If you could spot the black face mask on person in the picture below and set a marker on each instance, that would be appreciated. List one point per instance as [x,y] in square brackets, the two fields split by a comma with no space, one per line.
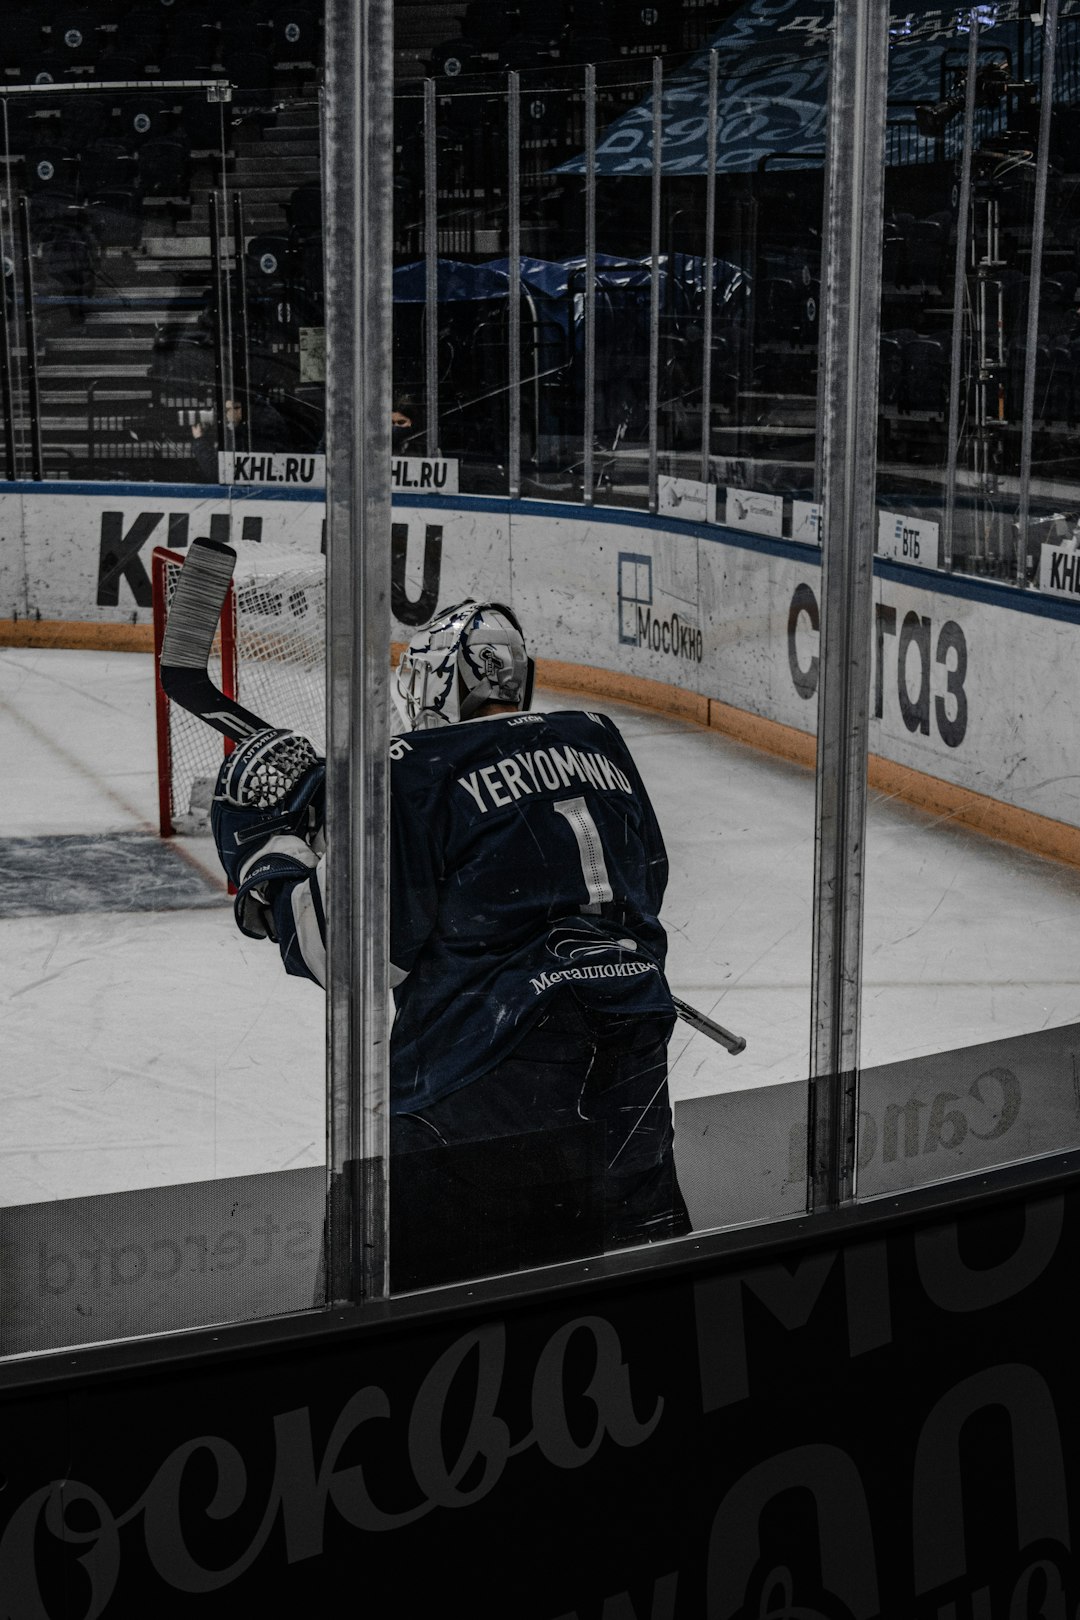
[399,439]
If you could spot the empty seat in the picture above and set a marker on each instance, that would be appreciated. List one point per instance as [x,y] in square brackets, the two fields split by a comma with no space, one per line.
[50,167]
[182,358]
[74,35]
[143,118]
[185,65]
[1059,291]
[1054,370]
[891,369]
[545,16]
[267,258]
[69,258]
[191,33]
[48,67]
[119,68]
[639,29]
[309,277]
[296,35]
[22,40]
[104,165]
[116,216]
[452,58]
[488,23]
[926,243]
[581,44]
[779,308]
[107,13]
[926,373]
[532,48]
[304,408]
[207,124]
[893,256]
[543,116]
[49,208]
[251,74]
[165,167]
[83,118]
[247,28]
[141,34]
[304,208]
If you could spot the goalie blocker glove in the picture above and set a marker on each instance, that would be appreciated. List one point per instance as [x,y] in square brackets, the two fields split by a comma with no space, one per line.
[267,818]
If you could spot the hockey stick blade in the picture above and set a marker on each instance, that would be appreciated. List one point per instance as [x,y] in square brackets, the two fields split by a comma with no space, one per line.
[706,1026]
[189,636]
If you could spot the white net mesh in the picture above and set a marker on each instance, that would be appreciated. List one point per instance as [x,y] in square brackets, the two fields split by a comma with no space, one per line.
[281,648]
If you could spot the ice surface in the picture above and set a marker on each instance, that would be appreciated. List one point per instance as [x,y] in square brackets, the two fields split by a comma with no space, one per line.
[143,1047]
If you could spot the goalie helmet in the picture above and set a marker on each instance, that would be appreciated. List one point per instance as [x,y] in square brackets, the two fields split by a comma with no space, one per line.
[470,654]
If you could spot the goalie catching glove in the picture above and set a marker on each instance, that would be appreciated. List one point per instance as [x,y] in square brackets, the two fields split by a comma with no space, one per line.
[268,820]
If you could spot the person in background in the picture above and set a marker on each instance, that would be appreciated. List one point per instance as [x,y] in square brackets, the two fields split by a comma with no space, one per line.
[269,434]
[405,435]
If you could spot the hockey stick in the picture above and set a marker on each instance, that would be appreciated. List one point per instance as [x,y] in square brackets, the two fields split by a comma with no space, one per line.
[706,1026]
[189,635]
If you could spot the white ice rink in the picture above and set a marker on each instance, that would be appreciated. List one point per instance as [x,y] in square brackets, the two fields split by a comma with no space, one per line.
[154,1044]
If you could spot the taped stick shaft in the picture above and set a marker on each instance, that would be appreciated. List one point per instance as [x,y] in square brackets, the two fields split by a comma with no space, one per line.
[707,1026]
[196,605]
[189,638]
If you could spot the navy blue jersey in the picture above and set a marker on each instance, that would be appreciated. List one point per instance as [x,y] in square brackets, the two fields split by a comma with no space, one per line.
[525,859]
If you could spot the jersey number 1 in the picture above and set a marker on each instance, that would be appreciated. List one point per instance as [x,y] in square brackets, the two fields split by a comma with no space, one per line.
[590,849]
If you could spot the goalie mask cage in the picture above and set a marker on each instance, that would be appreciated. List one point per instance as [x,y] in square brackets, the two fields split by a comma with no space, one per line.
[269,654]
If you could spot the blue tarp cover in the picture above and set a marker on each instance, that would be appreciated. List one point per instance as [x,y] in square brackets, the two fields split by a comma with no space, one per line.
[773,83]
[549,280]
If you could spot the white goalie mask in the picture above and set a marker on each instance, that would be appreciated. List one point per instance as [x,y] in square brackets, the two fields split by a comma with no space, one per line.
[470,654]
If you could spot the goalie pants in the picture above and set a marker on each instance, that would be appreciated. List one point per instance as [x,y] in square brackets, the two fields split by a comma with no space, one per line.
[563,1149]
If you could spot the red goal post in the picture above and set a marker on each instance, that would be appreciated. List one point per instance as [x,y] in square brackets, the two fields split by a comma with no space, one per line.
[269,653]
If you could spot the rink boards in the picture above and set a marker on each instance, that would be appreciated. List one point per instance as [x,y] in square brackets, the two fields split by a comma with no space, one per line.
[971,693]
[114,1265]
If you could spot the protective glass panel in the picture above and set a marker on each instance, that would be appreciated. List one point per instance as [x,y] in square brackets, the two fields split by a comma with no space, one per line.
[163,1154]
[972,892]
[534,1070]
[451,305]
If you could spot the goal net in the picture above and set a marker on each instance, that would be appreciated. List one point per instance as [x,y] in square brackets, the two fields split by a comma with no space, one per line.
[269,654]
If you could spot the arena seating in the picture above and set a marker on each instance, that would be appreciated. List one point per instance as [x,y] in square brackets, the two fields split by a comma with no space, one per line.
[73,34]
[251,74]
[925,378]
[106,163]
[140,34]
[304,209]
[192,34]
[453,57]
[134,172]
[267,259]
[165,166]
[297,36]
[50,166]
[117,216]
[891,369]
[529,49]
[139,119]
